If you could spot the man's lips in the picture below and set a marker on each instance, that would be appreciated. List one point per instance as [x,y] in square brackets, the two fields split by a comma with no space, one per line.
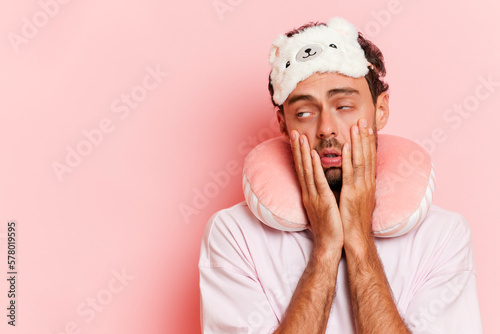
[331,158]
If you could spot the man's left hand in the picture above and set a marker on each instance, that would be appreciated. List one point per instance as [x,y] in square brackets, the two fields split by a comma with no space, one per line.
[357,197]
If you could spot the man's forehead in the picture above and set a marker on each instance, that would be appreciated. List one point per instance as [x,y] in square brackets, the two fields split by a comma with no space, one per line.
[327,85]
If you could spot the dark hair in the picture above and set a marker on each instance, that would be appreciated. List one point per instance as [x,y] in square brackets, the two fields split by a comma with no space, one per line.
[375,75]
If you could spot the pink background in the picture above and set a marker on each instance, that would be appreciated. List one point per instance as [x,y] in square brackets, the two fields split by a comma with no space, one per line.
[119,209]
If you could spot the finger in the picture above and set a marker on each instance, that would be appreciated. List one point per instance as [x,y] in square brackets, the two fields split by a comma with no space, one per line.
[373,150]
[307,165]
[297,157]
[365,143]
[357,154]
[319,175]
[347,170]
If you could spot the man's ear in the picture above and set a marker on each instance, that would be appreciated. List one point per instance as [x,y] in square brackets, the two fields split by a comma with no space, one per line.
[282,123]
[382,110]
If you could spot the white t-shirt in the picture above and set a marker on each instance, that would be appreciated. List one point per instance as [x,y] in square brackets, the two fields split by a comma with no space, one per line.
[249,271]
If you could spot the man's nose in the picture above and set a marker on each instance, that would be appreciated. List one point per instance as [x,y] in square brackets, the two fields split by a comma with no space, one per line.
[328,125]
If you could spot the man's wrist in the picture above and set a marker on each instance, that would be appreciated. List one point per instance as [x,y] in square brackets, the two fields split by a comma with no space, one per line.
[359,243]
[330,253]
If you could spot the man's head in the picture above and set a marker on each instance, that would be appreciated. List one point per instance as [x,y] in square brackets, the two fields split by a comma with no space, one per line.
[331,86]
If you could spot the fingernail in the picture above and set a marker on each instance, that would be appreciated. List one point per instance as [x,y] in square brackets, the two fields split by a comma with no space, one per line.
[363,123]
[301,139]
[370,131]
[356,129]
[347,147]
[293,135]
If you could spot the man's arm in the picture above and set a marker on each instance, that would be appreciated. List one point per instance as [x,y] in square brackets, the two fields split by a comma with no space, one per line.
[309,309]
[371,296]
[310,306]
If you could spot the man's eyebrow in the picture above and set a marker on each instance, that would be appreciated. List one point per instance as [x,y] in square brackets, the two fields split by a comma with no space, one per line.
[303,97]
[346,91]
[331,93]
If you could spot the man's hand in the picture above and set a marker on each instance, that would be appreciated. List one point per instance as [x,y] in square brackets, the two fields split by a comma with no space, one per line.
[309,309]
[357,198]
[373,308]
[353,215]
[319,201]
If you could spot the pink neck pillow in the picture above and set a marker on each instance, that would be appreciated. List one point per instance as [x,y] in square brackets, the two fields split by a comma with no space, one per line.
[405,186]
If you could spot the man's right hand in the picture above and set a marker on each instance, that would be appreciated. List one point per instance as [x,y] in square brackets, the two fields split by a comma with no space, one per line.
[319,201]
[310,306]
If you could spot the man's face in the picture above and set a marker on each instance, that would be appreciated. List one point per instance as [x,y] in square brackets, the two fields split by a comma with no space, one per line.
[324,107]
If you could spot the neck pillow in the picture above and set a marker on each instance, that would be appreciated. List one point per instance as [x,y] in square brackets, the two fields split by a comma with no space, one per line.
[405,185]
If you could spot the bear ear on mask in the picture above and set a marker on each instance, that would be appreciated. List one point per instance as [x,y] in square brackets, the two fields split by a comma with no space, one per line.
[405,185]
[278,42]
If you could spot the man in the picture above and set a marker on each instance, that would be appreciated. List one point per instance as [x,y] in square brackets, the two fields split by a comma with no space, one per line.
[335,277]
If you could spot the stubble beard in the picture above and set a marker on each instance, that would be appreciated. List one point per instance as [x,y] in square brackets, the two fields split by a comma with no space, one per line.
[334,174]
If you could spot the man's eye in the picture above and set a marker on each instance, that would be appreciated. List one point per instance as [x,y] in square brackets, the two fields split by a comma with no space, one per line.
[345,107]
[303,114]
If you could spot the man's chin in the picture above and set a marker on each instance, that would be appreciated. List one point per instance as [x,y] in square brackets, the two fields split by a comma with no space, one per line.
[334,178]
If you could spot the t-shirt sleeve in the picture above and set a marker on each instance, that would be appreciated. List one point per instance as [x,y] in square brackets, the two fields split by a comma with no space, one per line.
[232,298]
[446,300]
